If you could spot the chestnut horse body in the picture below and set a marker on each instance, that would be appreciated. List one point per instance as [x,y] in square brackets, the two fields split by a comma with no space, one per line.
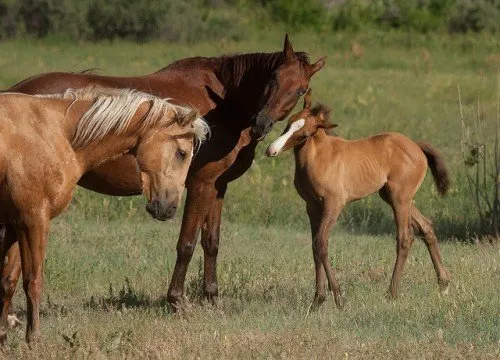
[240,96]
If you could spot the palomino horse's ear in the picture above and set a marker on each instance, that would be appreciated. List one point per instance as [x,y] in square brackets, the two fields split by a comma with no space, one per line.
[307,99]
[189,118]
[317,66]
[288,50]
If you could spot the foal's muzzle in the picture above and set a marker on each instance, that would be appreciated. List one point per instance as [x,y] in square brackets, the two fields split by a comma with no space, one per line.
[160,210]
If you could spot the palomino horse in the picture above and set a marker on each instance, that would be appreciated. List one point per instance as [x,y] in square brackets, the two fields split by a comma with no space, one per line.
[47,144]
[240,96]
[331,172]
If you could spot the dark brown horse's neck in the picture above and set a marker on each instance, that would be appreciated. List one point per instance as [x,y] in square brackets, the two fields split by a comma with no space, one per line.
[244,79]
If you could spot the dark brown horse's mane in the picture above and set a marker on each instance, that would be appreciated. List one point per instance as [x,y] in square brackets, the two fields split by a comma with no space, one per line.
[234,67]
[320,108]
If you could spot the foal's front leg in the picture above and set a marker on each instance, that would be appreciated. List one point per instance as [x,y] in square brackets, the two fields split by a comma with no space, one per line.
[314,212]
[32,240]
[329,217]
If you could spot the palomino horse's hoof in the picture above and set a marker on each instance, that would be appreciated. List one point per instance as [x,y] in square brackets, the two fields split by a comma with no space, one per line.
[13,321]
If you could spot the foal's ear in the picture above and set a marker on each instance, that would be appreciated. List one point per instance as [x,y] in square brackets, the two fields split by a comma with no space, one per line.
[288,50]
[317,66]
[326,125]
[307,99]
[189,118]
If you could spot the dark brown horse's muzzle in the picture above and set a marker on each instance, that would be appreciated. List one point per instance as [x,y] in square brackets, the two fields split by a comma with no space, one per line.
[161,210]
[263,125]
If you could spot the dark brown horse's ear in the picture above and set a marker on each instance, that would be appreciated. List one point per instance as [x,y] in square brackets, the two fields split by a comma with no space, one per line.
[288,50]
[307,99]
[189,118]
[317,66]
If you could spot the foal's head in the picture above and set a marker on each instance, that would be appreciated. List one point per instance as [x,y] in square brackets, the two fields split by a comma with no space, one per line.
[287,83]
[164,156]
[302,126]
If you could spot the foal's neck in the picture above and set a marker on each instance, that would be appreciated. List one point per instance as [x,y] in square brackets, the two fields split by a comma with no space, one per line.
[305,154]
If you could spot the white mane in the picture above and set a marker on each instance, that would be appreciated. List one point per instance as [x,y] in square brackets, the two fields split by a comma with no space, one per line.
[113,109]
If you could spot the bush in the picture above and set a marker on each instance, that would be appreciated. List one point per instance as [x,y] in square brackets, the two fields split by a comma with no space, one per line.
[475,15]
[9,10]
[298,14]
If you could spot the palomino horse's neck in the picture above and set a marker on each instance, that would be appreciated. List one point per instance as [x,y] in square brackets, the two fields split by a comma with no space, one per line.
[113,145]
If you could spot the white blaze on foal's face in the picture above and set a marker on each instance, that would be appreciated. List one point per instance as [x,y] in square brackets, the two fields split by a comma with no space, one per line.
[277,146]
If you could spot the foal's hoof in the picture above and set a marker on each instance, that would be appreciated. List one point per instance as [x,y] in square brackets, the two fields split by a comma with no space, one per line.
[444,286]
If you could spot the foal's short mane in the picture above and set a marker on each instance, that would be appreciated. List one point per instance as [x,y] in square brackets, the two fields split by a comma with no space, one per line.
[320,108]
[233,67]
[113,109]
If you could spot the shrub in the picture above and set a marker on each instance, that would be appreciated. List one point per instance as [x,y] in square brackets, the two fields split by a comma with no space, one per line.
[475,15]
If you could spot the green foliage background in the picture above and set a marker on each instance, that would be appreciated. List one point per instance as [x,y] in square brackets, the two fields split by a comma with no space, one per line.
[200,20]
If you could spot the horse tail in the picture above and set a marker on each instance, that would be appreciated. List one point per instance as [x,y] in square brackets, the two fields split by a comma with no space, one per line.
[438,168]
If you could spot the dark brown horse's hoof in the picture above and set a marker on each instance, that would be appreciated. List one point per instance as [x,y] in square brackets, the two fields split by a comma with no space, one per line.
[3,337]
[339,301]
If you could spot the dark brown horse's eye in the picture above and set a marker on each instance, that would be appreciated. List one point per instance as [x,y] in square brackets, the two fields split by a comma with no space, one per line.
[301,92]
[181,154]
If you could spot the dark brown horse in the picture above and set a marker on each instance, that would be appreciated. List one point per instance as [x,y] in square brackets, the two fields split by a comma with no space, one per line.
[240,96]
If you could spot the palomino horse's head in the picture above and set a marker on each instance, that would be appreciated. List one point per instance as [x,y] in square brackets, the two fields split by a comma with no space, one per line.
[287,84]
[302,126]
[164,157]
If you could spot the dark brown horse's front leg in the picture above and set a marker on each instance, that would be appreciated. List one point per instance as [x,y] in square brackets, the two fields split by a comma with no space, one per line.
[210,233]
[200,198]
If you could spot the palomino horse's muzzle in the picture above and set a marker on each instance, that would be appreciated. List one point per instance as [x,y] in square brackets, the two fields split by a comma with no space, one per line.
[161,210]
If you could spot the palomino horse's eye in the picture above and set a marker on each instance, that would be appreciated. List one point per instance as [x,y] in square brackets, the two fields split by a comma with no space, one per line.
[301,92]
[181,154]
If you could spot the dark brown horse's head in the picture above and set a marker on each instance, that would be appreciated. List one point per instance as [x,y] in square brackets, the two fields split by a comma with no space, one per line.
[287,83]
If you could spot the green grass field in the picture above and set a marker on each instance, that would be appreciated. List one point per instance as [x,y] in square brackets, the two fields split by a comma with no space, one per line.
[108,265]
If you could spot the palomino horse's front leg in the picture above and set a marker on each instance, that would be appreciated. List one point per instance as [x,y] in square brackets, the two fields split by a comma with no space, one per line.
[331,211]
[199,200]
[210,233]
[32,241]
[11,269]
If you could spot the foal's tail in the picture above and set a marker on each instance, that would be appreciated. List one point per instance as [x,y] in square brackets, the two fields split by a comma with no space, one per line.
[438,167]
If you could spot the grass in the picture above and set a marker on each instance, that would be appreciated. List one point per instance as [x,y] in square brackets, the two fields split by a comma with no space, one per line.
[108,265]
[105,284]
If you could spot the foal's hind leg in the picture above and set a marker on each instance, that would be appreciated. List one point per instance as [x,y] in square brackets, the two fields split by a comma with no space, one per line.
[424,226]
[400,203]
[320,247]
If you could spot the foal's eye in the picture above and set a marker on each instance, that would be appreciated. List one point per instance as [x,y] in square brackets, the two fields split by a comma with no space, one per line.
[301,92]
[181,154]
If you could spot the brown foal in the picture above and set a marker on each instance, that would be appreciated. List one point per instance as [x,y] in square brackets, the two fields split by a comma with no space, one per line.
[331,172]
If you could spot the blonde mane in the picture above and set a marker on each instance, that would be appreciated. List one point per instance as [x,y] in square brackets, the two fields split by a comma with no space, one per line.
[113,109]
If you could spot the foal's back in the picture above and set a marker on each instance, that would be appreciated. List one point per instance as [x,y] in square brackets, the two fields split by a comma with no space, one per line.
[353,169]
